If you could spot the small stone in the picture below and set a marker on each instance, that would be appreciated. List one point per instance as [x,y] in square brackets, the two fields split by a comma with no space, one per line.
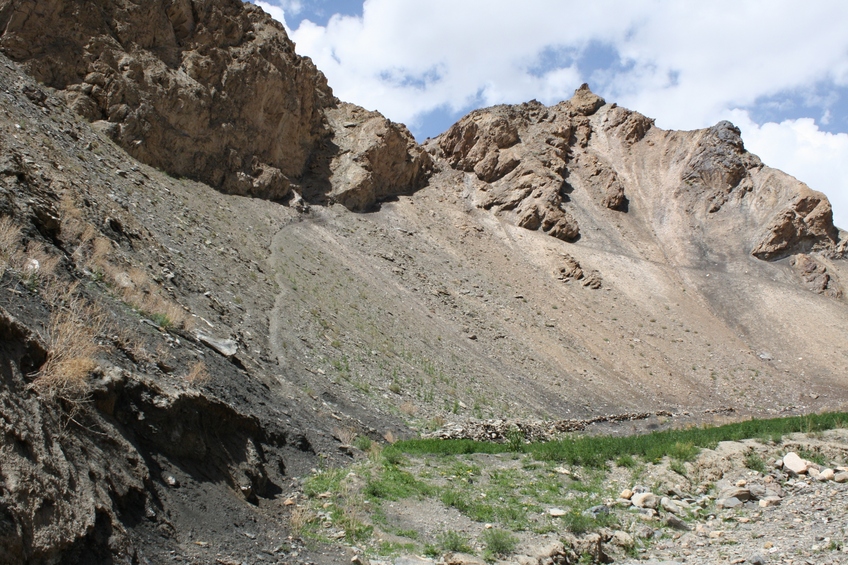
[716,534]
[840,477]
[742,494]
[556,512]
[741,483]
[622,539]
[670,505]
[826,475]
[596,511]
[756,559]
[731,502]
[626,494]
[769,501]
[676,523]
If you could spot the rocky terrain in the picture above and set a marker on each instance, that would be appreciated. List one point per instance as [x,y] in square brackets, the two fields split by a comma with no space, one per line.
[214,272]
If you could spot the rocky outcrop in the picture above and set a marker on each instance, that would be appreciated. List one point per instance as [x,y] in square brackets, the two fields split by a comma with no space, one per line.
[527,156]
[207,89]
[805,225]
[571,270]
[372,158]
[814,275]
[718,168]
[525,174]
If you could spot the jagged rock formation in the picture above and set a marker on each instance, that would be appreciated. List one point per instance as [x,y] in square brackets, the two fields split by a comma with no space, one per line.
[571,270]
[372,158]
[207,89]
[530,159]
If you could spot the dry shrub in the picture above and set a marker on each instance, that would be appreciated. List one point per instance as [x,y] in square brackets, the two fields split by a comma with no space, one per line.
[345,435]
[389,437]
[197,374]
[10,235]
[74,226]
[408,408]
[164,312]
[73,329]
[299,519]
[39,266]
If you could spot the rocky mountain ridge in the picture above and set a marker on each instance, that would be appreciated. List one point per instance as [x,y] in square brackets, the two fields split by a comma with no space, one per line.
[240,317]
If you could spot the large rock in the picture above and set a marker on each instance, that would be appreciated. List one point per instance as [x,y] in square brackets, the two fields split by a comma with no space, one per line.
[373,158]
[793,462]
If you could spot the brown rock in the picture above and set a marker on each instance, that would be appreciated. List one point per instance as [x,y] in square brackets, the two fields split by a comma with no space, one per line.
[814,275]
[373,158]
[806,224]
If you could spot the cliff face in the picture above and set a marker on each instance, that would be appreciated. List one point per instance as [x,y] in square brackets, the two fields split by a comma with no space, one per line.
[206,89]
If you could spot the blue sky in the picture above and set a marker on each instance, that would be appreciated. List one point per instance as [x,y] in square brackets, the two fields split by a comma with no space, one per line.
[777,69]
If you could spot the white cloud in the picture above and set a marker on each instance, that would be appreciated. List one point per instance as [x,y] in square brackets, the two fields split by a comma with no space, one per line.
[687,64]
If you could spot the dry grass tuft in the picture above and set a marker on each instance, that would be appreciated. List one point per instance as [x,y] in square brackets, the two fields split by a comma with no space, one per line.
[345,435]
[10,235]
[197,374]
[389,437]
[73,330]
[299,519]
[408,408]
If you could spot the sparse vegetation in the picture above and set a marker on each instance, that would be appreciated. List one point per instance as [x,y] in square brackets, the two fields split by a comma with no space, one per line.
[498,543]
[72,334]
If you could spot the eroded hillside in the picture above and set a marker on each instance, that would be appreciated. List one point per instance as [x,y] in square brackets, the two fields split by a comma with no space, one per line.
[196,311]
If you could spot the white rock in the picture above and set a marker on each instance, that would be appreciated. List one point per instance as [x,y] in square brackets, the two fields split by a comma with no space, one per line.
[556,512]
[826,475]
[645,500]
[793,462]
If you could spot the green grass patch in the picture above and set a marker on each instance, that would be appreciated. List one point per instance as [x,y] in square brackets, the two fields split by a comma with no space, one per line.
[392,483]
[596,451]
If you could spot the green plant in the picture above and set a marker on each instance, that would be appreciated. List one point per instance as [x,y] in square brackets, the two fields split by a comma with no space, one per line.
[515,439]
[453,541]
[498,543]
[677,466]
[755,462]
[362,443]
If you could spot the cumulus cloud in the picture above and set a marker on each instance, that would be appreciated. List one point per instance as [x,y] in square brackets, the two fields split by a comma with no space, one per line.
[686,64]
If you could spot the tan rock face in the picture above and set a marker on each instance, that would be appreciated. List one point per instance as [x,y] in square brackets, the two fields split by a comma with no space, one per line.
[523,154]
[806,224]
[371,158]
[815,276]
[207,89]
[584,168]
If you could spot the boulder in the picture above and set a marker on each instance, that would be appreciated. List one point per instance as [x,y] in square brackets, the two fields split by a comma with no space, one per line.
[792,462]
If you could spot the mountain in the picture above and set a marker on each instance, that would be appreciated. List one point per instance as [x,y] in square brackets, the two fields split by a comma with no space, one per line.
[215,273]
